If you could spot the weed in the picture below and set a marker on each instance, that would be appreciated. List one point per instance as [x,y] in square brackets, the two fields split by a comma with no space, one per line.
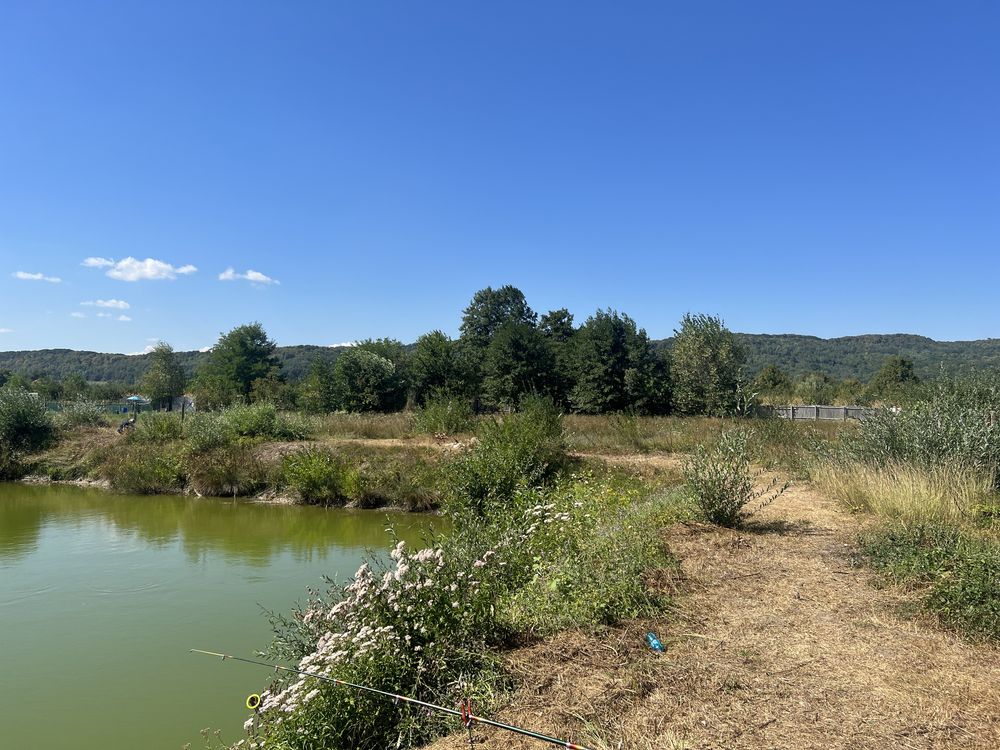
[721,483]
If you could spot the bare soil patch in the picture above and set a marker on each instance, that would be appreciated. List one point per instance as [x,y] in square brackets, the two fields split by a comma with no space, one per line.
[777,641]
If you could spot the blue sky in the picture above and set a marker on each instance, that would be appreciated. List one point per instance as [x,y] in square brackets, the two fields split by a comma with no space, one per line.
[820,168]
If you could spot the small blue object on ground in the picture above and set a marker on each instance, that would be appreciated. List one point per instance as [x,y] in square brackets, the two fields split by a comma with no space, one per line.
[654,642]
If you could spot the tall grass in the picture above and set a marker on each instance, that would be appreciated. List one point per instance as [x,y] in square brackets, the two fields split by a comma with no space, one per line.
[914,494]
[397,425]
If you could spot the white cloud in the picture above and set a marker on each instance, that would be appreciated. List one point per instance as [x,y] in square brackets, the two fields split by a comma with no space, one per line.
[205,349]
[124,319]
[103,315]
[117,304]
[6,330]
[97,262]
[254,277]
[147,350]
[77,315]
[133,269]
[345,343]
[25,276]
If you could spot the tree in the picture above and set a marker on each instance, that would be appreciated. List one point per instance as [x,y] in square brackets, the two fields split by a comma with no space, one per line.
[772,381]
[164,379]
[74,385]
[436,369]
[487,312]
[318,392]
[815,388]
[892,380]
[243,355]
[518,363]
[615,368]
[396,391]
[364,381]
[705,366]
[557,328]
[491,308]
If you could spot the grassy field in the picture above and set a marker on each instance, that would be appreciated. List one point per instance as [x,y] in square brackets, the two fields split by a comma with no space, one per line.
[565,524]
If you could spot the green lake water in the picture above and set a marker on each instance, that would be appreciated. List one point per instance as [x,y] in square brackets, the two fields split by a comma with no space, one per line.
[102,595]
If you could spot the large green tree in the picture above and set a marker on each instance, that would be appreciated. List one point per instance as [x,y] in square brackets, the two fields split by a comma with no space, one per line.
[164,378]
[395,395]
[364,381]
[437,369]
[705,363]
[487,312]
[518,363]
[557,328]
[616,369]
[240,357]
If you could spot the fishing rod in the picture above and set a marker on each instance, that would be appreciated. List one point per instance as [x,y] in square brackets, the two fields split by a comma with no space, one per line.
[465,713]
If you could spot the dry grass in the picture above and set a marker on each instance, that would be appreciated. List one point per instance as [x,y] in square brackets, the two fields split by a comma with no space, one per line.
[905,492]
[397,425]
[779,643]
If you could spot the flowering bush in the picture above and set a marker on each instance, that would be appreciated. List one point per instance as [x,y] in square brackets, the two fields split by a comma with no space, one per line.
[425,623]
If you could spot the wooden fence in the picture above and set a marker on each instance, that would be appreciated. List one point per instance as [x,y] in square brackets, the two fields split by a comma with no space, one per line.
[815,412]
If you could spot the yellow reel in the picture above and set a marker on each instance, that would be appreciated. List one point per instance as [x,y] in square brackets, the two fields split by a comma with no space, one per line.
[253,701]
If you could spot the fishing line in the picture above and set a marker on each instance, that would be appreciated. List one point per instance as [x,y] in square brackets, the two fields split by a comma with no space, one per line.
[465,714]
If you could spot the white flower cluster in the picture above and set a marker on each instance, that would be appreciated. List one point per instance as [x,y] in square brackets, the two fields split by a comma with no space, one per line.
[406,612]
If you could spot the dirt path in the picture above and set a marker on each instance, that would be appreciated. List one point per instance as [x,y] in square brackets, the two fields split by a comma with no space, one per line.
[777,643]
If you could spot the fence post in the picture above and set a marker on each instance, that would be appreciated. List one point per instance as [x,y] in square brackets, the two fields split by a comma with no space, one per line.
[816,412]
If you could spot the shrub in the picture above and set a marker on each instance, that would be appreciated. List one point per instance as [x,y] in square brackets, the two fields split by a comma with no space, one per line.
[958,571]
[25,424]
[721,483]
[317,476]
[450,416]
[81,413]
[957,425]
[261,420]
[206,431]
[592,568]
[143,469]
[519,450]
[157,427]
[228,471]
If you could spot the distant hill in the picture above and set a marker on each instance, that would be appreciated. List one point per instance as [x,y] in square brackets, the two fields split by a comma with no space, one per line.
[129,368]
[847,357]
[861,356]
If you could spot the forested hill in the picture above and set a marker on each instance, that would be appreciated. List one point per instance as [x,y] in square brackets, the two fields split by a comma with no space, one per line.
[847,357]
[129,368]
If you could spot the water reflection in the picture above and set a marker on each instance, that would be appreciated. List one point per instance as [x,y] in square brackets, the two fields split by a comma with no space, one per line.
[250,533]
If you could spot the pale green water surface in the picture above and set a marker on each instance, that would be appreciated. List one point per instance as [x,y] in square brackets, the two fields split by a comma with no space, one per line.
[102,595]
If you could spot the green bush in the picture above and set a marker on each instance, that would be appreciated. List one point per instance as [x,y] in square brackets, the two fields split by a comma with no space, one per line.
[395,626]
[25,424]
[591,567]
[959,571]
[448,416]
[81,413]
[206,431]
[317,476]
[721,483]
[957,425]
[226,472]
[144,469]
[524,449]
[262,420]
[157,427]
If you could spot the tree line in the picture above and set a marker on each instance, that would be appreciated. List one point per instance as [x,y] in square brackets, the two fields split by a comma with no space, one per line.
[505,352]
